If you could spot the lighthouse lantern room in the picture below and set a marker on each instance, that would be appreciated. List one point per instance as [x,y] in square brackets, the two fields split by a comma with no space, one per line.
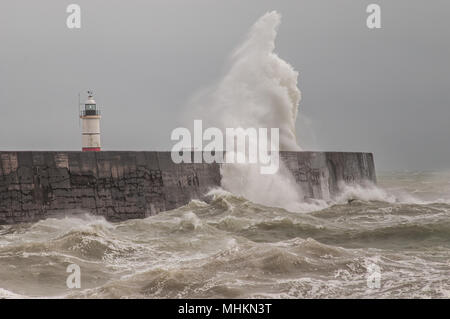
[90,116]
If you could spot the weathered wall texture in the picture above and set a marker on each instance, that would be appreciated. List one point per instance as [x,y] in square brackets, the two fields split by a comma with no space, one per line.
[320,174]
[124,185]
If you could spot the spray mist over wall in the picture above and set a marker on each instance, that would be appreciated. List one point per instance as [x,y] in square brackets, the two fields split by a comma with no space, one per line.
[258,91]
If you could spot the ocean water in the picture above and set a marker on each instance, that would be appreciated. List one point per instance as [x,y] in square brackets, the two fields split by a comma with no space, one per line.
[234,248]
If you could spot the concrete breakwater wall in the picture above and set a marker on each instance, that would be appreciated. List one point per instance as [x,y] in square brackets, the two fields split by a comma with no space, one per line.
[125,185]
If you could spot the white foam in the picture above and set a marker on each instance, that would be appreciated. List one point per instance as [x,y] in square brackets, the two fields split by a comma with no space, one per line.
[6,294]
[371,192]
[259,90]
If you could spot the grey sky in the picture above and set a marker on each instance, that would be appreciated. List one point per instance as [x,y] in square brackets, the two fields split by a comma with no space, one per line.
[386,91]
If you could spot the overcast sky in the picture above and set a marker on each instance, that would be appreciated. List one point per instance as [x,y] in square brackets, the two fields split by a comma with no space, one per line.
[385,91]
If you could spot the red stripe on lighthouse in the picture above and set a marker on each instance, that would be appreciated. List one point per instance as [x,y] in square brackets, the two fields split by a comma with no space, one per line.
[91,149]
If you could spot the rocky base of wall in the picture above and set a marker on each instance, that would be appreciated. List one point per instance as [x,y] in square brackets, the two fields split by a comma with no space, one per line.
[126,185]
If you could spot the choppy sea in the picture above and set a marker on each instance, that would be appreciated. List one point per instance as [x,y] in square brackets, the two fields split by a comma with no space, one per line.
[389,241]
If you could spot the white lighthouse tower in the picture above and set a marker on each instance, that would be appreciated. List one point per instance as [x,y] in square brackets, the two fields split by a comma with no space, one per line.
[90,116]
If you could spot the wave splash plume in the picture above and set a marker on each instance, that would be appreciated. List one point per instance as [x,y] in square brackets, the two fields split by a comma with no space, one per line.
[259,90]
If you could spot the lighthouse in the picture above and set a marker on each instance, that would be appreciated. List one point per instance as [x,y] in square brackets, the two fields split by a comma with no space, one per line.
[90,117]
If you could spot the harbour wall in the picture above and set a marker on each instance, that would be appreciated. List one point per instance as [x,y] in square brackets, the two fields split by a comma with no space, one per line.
[126,185]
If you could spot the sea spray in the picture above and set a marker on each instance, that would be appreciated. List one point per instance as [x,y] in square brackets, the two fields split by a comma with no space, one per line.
[258,91]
